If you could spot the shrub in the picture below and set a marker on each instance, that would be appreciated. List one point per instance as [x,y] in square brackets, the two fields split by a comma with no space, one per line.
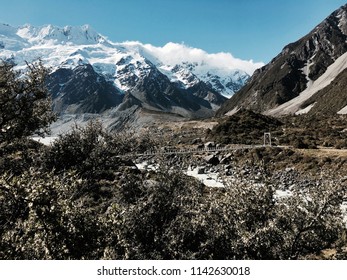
[177,218]
[41,220]
[89,150]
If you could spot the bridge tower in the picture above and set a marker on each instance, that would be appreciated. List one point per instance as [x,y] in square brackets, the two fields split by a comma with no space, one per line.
[267,139]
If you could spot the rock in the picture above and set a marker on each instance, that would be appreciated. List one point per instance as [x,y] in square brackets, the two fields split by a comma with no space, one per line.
[213,170]
[200,146]
[226,159]
[228,166]
[244,172]
[151,183]
[210,145]
[201,170]
[212,159]
[132,170]
[228,172]
[196,141]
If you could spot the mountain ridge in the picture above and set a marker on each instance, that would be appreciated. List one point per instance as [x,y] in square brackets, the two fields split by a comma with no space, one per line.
[70,46]
[90,75]
[295,70]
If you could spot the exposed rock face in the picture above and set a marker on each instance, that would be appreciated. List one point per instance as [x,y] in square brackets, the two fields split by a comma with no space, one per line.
[157,92]
[298,66]
[82,90]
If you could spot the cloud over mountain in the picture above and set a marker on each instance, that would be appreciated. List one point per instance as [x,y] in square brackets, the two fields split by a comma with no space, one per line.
[174,53]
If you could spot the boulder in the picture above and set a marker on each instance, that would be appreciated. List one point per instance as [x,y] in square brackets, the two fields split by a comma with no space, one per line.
[201,170]
[210,145]
[199,146]
[226,159]
[196,141]
[211,159]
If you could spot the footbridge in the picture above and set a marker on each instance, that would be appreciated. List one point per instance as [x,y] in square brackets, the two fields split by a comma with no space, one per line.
[172,150]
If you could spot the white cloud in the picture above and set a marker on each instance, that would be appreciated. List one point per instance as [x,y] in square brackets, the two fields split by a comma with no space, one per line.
[173,53]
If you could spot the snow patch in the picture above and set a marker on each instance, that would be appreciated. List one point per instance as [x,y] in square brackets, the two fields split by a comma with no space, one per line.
[233,111]
[305,110]
[48,140]
[210,179]
[343,111]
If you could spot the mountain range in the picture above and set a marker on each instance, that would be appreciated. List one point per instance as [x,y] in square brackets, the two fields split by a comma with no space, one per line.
[90,75]
[135,84]
[309,76]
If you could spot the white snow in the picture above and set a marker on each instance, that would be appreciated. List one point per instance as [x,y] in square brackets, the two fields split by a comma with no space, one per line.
[344,212]
[81,35]
[48,140]
[306,71]
[343,111]
[233,111]
[9,39]
[146,166]
[210,179]
[293,105]
[282,194]
[305,110]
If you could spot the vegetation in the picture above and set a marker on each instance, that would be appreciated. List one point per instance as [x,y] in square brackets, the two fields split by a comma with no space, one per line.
[99,206]
[83,198]
[24,105]
[244,127]
[302,132]
[170,216]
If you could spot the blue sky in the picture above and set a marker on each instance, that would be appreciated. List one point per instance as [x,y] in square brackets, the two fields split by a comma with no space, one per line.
[248,29]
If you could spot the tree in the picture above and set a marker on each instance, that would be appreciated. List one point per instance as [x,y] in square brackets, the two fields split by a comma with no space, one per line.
[25,108]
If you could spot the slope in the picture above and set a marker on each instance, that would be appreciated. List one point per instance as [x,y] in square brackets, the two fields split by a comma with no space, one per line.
[295,69]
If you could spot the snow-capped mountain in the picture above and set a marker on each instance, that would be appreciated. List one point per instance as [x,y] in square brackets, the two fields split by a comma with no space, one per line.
[91,74]
[189,74]
[73,46]
[308,76]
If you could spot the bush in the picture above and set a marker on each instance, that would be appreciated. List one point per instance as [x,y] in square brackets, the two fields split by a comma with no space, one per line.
[150,219]
[87,202]
[177,218]
[18,156]
[88,150]
[95,153]
[170,216]
[341,144]
[40,220]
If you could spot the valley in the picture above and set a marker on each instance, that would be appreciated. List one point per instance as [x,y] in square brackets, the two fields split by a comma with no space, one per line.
[171,152]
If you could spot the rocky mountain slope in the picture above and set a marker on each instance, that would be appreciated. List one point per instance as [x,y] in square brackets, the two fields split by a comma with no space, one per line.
[296,81]
[92,75]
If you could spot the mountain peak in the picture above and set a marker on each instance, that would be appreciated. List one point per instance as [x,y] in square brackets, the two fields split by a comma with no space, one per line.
[124,63]
[78,35]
